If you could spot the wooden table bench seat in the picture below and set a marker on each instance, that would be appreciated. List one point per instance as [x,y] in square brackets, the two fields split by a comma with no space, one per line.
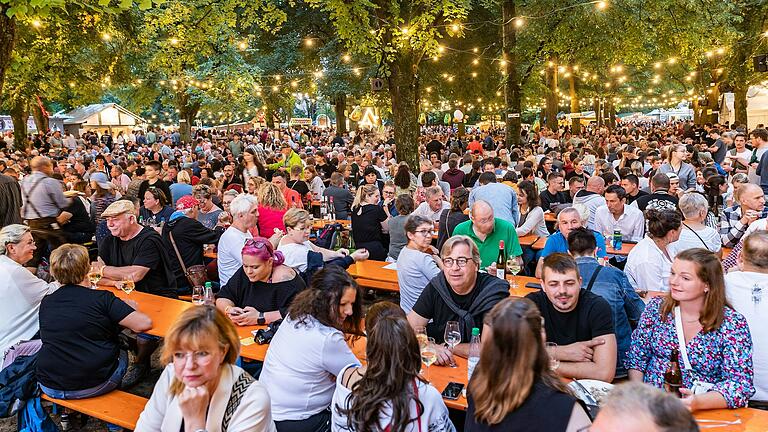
[116,407]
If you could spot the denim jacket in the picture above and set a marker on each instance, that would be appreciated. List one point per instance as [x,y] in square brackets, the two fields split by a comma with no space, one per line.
[613,285]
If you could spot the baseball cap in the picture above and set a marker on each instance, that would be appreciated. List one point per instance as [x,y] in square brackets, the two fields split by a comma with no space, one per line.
[101,179]
[119,207]
[186,202]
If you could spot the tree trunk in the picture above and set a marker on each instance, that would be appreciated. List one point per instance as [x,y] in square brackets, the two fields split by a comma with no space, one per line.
[696,111]
[41,121]
[511,79]
[19,115]
[404,91]
[188,110]
[740,104]
[611,115]
[575,123]
[552,100]
[599,112]
[7,41]
[339,107]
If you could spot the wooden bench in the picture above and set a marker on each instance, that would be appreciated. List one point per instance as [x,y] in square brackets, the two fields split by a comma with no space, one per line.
[116,407]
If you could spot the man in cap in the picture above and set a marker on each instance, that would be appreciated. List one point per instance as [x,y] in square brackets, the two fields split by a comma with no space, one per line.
[135,252]
[184,237]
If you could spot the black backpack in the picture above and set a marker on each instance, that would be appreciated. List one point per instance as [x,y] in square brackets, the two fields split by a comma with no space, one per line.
[328,235]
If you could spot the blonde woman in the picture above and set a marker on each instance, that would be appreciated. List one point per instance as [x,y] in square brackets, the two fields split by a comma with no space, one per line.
[196,388]
[296,247]
[370,222]
[181,188]
[272,208]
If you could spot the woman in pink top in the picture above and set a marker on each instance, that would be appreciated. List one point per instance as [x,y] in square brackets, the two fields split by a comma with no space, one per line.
[272,207]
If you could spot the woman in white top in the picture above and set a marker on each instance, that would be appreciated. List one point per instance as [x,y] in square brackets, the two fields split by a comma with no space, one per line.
[295,243]
[388,393]
[195,391]
[650,263]
[418,261]
[531,213]
[21,293]
[695,233]
[316,185]
[309,350]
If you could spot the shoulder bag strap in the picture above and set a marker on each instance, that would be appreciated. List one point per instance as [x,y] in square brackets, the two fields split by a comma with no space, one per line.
[28,201]
[594,277]
[681,339]
[416,397]
[178,255]
[238,390]
[697,235]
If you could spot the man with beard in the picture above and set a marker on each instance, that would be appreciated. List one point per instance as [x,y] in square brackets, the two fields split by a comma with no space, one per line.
[578,321]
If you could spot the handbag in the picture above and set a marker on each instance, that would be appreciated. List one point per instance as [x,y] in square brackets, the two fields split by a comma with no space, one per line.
[196,274]
[238,390]
[33,418]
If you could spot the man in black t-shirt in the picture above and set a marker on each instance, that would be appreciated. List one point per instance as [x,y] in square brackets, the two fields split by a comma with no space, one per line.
[660,198]
[578,321]
[136,252]
[631,184]
[458,293]
[153,170]
[554,193]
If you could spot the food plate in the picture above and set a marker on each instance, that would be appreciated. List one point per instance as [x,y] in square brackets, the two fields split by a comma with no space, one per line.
[597,389]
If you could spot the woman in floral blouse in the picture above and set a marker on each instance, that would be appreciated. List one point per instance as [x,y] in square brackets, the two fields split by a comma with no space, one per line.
[717,338]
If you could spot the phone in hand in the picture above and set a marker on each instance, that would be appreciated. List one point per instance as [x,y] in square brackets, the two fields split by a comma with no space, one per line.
[452,390]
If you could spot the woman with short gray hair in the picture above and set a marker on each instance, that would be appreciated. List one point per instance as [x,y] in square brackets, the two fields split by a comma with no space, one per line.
[22,294]
[695,233]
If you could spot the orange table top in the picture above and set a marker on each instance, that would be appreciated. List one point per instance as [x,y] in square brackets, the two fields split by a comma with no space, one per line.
[528,240]
[550,217]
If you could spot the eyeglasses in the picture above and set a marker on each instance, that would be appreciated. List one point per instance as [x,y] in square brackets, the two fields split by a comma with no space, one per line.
[258,244]
[200,357]
[461,262]
[424,232]
[389,192]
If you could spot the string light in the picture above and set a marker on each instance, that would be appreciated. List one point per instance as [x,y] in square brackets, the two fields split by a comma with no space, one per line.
[243,45]
[106,36]
[36,23]
[519,22]
[174,41]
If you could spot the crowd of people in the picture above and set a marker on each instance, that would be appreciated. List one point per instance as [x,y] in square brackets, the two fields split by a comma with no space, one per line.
[144,210]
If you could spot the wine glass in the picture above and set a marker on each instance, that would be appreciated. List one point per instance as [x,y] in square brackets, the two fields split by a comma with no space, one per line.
[94,274]
[452,336]
[429,354]
[513,265]
[127,284]
[554,362]
[421,336]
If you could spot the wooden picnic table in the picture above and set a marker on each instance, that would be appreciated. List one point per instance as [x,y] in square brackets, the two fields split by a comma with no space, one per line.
[163,311]
[625,247]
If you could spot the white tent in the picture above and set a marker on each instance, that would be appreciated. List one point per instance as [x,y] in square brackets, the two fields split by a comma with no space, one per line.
[108,116]
[757,107]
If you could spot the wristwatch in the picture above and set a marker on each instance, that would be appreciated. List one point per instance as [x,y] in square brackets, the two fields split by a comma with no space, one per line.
[261,320]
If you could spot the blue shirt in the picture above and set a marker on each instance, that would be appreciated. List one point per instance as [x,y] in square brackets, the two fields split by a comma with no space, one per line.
[501,197]
[613,285]
[556,243]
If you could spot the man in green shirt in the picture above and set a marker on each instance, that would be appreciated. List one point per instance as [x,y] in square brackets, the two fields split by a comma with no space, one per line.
[487,231]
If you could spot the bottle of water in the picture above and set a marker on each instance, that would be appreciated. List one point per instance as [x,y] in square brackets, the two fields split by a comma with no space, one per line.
[208,298]
[474,352]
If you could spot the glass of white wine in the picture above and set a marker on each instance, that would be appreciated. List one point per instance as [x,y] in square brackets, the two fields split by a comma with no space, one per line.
[94,275]
[421,336]
[429,354]
[127,285]
[554,362]
[452,336]
[513,266]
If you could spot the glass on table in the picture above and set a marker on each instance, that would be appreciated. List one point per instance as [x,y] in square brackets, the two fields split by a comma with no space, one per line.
[126,284]
[197,295]
[554,362]
[513,266]
[95,274]
[452,336]
[421,335]
[429,354]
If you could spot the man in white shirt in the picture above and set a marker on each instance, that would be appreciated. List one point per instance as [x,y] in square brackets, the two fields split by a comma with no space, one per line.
[245,214]
[433,205]
[747,292]
[616,215]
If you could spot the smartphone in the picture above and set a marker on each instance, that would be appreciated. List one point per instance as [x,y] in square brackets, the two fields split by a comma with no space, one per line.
[452,391]
[533,285]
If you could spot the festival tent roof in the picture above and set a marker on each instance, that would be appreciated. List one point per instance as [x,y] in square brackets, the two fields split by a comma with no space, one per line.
[99,115]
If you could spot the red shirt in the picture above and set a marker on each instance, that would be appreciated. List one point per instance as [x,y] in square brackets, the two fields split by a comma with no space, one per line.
[475,146]
[292,198]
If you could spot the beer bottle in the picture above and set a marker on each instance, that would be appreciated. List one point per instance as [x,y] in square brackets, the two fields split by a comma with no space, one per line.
[673,378]
[501,262]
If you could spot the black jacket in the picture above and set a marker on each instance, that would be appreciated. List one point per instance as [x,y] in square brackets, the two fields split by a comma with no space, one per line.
[190,236]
